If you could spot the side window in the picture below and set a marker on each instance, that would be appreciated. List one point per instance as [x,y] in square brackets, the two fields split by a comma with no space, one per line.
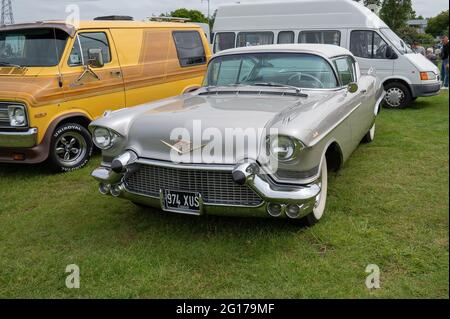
[367,44]
[323,37]
[285,37]
[190,48]
[248,39]
[84,42]
[346,70]
[224,41]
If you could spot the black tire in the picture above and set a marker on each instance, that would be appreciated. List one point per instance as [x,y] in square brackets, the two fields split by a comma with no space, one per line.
[71,147]
[397,96]
[319,208]
[370,135]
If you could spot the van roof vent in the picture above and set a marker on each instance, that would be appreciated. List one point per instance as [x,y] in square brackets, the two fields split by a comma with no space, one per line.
[123,18]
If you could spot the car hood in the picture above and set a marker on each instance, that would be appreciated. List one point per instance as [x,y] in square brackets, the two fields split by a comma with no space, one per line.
[421,62]
[29,86]
[208,122]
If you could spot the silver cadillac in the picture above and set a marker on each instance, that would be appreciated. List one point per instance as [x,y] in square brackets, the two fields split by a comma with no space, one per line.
[258,139]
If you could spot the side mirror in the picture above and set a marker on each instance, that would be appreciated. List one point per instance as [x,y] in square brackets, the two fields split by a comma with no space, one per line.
[95,57]
[390,53]
[352,87]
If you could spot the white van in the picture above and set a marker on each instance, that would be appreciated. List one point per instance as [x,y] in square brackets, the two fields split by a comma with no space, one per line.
[405,75]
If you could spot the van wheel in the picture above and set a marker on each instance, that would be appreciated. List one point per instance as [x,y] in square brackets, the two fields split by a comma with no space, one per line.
[370,136]
[71,147]
[321,199]
[397,96]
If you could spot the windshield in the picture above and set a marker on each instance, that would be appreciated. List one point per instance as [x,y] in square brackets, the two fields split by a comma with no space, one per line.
[396,41]
[293,69]
[32,47]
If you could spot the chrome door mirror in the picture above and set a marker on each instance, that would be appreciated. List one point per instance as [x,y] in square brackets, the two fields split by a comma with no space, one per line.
[95,57]
[352,87]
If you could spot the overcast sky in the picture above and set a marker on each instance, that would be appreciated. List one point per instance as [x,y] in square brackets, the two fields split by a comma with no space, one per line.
[32,10]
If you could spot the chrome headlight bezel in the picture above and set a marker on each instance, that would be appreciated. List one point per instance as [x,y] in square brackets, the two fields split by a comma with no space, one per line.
[283,148]
[104,138]
[17,115]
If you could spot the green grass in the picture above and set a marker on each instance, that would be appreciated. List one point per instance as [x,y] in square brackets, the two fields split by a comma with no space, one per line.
[388,206]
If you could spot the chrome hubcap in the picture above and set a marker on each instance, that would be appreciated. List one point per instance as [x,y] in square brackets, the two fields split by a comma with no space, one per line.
[70,148]
[394,97]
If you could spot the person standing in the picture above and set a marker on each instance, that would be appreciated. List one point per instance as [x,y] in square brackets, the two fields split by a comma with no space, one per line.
[431,56]
[444,57]
[418,48]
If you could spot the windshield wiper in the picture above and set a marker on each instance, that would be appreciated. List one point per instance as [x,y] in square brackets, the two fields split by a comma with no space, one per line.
[281,85]
[10,64]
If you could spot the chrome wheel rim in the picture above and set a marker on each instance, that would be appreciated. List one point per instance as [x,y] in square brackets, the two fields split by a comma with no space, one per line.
[70,148]
[394,97]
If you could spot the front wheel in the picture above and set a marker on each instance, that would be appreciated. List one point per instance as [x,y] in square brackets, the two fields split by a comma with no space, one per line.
[397,96]
[71,147]
[321,199]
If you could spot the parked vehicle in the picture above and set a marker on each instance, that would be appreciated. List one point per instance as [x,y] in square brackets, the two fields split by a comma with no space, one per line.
[56,78]
[347,23]
[309,105]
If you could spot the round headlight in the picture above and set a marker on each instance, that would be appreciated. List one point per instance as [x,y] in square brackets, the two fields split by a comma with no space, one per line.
[17,116]
[103,138]
[282,148]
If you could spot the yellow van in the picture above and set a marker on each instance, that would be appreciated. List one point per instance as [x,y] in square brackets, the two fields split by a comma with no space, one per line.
[56,78]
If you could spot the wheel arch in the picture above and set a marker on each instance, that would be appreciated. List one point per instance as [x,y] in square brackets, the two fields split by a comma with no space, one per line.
[334,156]
[398,80]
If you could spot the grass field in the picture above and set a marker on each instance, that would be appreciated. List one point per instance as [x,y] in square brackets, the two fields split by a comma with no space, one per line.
[388,206]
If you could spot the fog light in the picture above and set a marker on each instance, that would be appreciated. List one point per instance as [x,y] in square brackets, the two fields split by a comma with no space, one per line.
[274,209]
[293,211]
[116,190]
[104,188]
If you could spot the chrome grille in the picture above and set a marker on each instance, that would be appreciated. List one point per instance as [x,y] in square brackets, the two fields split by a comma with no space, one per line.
[216,187]
[4,117]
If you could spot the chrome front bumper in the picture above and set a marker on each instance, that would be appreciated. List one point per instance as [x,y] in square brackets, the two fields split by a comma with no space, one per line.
[302,196]
[19,139]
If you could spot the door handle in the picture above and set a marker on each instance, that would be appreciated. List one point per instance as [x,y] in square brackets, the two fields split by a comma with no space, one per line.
[363,91]
[116,73]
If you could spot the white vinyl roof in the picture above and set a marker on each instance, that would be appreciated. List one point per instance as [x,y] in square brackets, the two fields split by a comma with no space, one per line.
[294,15]
[326,50]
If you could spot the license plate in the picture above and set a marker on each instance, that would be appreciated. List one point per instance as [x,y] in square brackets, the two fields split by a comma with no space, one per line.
[182,202]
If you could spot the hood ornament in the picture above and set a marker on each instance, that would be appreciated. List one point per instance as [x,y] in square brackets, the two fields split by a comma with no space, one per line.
[183,147]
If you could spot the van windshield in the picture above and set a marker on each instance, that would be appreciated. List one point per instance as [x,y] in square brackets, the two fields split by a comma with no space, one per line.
[396,41]
[32,47]
[293,69]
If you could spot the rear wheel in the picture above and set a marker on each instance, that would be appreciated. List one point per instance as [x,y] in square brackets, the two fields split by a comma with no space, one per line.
[321,199]
[397,96]
[71,147]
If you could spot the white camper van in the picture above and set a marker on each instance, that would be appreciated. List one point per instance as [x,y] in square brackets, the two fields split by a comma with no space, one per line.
[346,23]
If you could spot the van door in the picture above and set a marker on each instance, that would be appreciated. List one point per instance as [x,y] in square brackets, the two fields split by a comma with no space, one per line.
[91,89]
[370,50]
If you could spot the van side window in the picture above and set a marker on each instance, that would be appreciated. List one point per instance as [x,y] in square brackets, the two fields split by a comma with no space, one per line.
[247,39]
[190,48]
[345,69]
[367,44]
[285,37]
[84,42]
[323,37]
[224,41]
